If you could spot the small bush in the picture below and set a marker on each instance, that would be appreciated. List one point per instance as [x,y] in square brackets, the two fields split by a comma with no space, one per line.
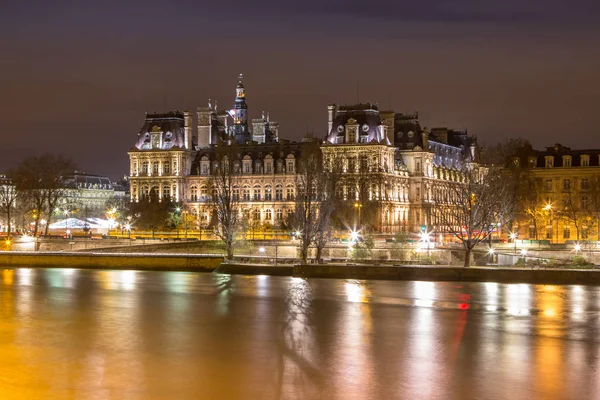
[521,262]
[579,261]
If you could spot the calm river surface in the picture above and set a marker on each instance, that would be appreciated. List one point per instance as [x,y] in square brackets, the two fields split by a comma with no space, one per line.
[79,334]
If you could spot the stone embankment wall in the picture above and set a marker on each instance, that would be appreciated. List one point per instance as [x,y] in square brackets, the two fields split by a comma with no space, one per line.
[161,262]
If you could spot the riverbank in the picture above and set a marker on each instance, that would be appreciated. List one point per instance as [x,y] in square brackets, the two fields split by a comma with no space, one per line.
[210,263]
[421,273]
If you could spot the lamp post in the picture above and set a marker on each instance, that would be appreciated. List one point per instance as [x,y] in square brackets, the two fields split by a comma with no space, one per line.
[185,222]
[68,231]
[513,236]
[358,206]
[549,208]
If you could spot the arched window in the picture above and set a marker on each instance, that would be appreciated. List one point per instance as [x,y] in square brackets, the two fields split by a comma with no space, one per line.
[268,214]
[289,194]
[203,192]
[279,215]
[166,168]
[236,193]
[268,192]
[256,215]
[166,192]
[194,193]
[155,167]
[246,193]
[256,193]
[145,167]
[278,192]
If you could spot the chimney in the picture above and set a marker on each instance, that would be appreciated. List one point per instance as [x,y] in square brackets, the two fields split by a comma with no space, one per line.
[331,116]
[187,129]
[204,126]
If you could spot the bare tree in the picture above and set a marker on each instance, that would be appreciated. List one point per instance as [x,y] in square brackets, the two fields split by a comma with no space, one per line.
[224,185]
[328,183]
[475,205]
[315,201]
[593,195]
[573,211]
[41,180]
[528,194]
[501,153]
[8,199]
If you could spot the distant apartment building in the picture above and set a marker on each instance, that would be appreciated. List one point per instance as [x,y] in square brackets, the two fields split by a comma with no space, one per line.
[561,202]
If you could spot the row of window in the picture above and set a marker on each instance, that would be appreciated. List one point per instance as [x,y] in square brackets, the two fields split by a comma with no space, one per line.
[154,167]
[246,167]
[585,184]
[584,233]
[567,161]
[246,193]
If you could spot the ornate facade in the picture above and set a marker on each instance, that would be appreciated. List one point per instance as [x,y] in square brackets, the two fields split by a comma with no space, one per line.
[390,165]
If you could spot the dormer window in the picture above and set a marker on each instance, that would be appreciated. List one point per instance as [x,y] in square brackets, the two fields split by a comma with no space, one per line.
[549,161]
[585,160]
[532,162]
[566,161]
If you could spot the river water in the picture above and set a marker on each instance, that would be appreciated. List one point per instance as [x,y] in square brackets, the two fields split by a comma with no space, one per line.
[79,334]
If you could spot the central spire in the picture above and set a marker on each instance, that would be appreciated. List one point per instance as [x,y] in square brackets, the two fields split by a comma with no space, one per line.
[239,113]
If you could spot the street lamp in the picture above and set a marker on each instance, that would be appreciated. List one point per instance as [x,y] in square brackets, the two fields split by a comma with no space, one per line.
[513,236]
[353,236]
[548,207]
[358,206]
[185,222]
[128,229]
[491,252]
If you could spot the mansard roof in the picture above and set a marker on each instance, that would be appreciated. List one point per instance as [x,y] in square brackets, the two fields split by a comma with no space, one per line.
[557,151]
[256,151]
[366,116]
[170,127]
[83,180]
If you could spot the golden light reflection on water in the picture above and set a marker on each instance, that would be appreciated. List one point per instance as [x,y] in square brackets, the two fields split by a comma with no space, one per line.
[8,276]
[152,336]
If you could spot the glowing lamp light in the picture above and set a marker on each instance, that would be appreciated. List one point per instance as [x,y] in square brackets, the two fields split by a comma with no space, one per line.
[353,236]
[513,235]
[523,252]
[261,250]
[577,247]
[491,251]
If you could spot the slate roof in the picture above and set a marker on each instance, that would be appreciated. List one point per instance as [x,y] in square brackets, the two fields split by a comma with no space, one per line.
[171,127]
[368,120]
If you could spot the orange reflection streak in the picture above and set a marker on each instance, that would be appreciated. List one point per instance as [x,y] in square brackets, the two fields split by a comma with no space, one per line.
[8,276]
[549,376]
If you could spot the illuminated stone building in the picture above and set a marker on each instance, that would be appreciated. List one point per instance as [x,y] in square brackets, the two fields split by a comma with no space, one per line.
[390,165]
[87,194]
[562,202]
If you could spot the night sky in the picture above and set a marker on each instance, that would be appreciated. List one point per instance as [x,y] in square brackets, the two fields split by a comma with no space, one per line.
[76,77]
